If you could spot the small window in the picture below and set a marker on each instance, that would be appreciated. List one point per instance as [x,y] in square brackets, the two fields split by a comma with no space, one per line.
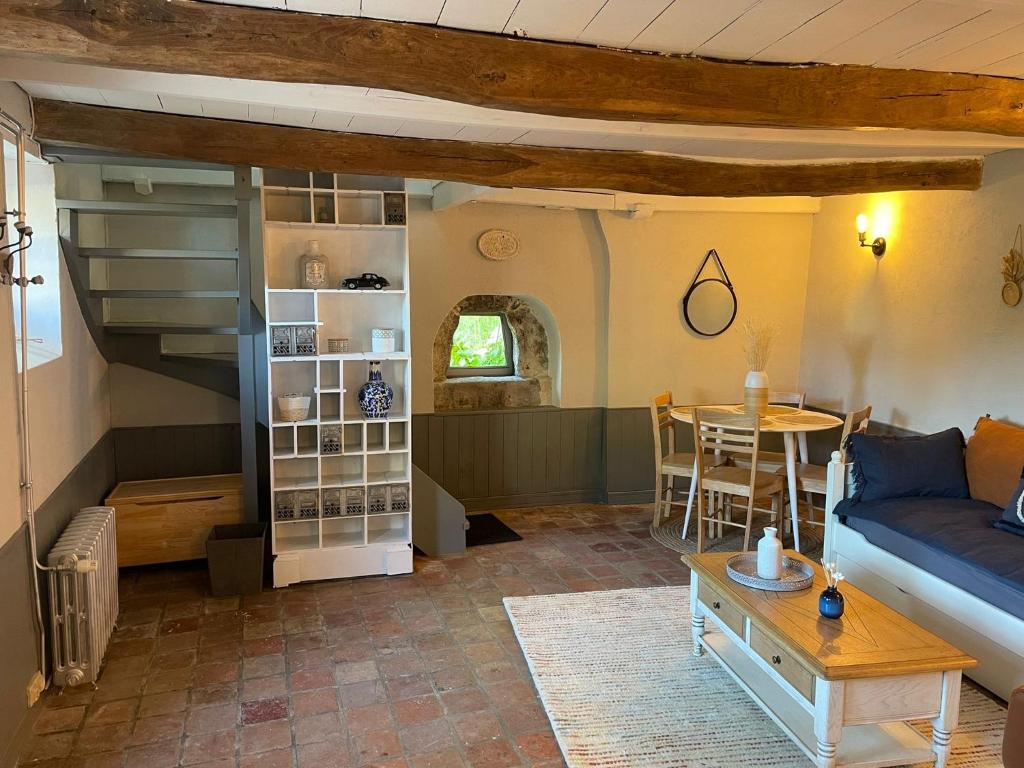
[481,346]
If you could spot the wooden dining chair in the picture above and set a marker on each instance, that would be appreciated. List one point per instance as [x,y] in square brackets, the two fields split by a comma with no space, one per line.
[811,478]
[734,435]
[770,461]
[669,463]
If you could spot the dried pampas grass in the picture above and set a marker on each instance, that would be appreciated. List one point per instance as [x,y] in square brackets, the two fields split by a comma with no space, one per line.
[757,345]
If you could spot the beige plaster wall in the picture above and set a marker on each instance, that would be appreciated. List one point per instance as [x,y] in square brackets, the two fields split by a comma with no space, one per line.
[652,263]
[613,288]
[920,334]
[70,404]
[561,265]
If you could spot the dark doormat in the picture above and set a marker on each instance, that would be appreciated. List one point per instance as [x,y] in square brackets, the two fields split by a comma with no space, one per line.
[487,529]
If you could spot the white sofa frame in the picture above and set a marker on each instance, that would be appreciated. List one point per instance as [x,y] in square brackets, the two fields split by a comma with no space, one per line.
[992,636]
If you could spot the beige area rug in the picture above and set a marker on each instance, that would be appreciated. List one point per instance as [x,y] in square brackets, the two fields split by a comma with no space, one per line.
[622,689]
[670,534]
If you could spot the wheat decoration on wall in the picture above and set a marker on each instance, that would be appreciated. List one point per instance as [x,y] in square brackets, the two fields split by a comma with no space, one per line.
[1013,269]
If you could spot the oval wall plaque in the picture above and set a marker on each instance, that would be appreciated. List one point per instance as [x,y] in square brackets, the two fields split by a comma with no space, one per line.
[498,244]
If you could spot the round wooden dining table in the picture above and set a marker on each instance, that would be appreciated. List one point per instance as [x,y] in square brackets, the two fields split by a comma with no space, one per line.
[793,423]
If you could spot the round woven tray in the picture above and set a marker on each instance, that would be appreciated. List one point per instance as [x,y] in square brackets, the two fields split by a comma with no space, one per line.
[796,575]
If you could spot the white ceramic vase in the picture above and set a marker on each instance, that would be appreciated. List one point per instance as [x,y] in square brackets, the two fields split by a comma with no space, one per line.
[769,555]
[755,393]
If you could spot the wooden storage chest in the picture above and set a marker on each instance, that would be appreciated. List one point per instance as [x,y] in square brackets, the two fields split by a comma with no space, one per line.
[162,521]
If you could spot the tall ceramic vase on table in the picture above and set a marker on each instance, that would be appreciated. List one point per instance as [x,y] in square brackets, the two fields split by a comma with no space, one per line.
[755,393]
[376,395]
[757,347]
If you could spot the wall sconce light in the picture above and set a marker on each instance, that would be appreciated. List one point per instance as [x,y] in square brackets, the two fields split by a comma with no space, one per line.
[877,245]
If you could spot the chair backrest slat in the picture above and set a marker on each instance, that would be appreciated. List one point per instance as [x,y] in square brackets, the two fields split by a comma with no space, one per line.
[795,399]
[661,419]
[857,422]
[728,433]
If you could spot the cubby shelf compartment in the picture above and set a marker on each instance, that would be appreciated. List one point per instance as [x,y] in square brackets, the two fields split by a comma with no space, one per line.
[345,472]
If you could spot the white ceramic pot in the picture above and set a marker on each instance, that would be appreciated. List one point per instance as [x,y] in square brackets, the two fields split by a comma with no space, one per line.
[382,340]
[769,555]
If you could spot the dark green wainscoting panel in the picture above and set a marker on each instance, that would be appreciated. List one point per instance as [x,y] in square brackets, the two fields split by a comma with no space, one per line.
[521,457]
[152,453]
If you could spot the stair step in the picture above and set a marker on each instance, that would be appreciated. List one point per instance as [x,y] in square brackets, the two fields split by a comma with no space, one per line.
[222,359]
[199,330]
[132,293]
[149,209]
[155,253]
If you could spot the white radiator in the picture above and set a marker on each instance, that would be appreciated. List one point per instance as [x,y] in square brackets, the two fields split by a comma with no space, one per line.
[83,595]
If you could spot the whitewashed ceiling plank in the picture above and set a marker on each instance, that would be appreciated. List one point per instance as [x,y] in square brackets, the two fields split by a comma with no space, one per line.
[761,26]
[299,117]
[43,90]
[619,21]
[261,113]
[180,105]
[976,57]
[552,19]
[910,26]
[132,100]
[490,16]
[687,24]
[810,40]
[422,11]
[83,94]
[329,7]
[977,30]
[226,110]
[382,126]
[428,129]
[331,121]
[490,133]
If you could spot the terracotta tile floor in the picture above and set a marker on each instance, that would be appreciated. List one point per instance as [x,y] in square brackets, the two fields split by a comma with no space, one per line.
[405,672]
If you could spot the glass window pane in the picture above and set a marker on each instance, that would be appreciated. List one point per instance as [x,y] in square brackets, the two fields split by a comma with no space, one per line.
[479,342]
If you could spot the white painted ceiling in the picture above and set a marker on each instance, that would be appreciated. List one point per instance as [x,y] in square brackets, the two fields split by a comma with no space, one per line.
[985,36]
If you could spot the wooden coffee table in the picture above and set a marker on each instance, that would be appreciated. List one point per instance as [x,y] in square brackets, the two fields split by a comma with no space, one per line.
[842,689]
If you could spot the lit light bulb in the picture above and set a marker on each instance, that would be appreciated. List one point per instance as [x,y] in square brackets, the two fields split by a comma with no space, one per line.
[862,225]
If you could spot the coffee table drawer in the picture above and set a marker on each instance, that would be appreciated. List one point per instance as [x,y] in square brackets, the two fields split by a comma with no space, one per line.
[727,613]
[783,662]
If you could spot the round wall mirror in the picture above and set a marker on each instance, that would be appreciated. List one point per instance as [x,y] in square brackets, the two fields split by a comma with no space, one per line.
[709,307]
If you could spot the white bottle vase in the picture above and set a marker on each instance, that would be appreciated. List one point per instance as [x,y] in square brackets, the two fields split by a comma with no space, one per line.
[755,393]
[769,555]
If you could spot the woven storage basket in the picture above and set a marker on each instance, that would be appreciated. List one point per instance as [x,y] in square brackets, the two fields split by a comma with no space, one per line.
[293,407]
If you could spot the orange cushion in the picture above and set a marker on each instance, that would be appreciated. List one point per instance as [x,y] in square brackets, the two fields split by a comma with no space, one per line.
[995,458]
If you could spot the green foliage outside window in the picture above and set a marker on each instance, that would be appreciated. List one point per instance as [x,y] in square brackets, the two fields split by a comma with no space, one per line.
[479,342]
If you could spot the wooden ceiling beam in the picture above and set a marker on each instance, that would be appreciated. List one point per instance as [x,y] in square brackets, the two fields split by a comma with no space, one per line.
[184,36]
[231,142]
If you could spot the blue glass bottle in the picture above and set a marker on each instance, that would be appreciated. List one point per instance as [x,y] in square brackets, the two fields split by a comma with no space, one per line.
[831,604]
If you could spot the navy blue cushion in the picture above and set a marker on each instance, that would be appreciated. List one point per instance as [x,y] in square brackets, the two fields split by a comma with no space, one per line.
[887,467]
[950,538]
[1012,520]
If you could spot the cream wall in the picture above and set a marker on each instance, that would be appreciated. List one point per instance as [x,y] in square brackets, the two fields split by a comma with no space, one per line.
[614,288]
[921,334]
[561,264]
[654,260]
[70,405]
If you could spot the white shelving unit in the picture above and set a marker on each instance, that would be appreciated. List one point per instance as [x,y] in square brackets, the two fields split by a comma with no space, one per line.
[338,510]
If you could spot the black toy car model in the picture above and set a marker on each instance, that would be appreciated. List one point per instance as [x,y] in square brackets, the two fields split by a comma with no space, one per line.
[365,280]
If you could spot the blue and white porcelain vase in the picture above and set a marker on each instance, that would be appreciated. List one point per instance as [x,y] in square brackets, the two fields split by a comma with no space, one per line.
[375,395]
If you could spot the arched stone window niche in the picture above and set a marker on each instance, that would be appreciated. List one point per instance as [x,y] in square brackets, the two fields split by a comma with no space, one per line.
[529,386]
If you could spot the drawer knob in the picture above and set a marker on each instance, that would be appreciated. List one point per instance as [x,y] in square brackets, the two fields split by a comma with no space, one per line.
[716,605]
[776,659]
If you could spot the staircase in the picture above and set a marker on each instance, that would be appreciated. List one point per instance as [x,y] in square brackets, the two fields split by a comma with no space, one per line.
[152,296]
